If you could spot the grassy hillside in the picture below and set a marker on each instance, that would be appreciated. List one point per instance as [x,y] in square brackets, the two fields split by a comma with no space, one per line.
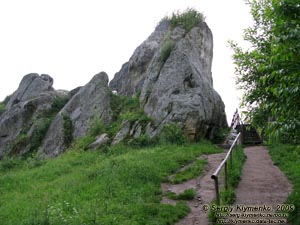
[121,186]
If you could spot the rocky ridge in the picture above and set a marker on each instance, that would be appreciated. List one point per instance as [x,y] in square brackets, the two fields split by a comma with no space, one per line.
[169,74]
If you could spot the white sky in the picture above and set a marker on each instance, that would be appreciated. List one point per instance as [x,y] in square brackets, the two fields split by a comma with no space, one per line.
[72,40]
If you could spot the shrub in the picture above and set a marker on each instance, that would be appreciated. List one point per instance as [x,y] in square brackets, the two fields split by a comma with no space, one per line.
[96,127]
[173,134]
[166,49]
[2,108]
[142,141]
[187,19]
[220,135]
[39,133]
[67,130]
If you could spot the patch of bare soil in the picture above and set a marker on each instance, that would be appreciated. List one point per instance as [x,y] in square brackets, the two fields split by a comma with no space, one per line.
[204,187]
[262,182]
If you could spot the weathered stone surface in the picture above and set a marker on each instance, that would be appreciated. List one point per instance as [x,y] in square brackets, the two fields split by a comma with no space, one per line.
[181,88]
[123,133]
[31,86]
[100,141]
[90,102]
[129,80]
[25,113]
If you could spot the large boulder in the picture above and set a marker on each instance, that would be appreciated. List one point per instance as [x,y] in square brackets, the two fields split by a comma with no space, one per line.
[26,113]
[175,82]
[91,102]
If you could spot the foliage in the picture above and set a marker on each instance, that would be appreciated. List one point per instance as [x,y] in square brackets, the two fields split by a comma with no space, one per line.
[166,49]
[188,19]
[7,164]
[96,127]
[287,158]
[173,134]
[143,141]
[67,129]
[188,194]
[193,171]
[2,108]
[220,135]
[269,72]
[120,187]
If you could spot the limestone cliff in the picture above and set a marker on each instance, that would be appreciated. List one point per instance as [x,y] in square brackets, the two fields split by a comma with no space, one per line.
[174,80]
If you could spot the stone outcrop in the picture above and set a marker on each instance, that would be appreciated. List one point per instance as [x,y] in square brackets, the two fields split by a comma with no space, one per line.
[90,102]
[130,79]
[170,73]
[179,87]
[25,112]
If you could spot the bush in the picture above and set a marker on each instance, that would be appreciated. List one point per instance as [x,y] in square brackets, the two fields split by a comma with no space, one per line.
[220,135]
[142,141]
[166,49]
[2,108]
[187,19]
[67,130]
[173,134]
[96,127]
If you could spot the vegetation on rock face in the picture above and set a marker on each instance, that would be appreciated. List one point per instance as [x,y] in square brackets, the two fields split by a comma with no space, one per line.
[166,49]
[121,186]
[2,108]
[269,72]
[172,133]
[67,130]
[188,19]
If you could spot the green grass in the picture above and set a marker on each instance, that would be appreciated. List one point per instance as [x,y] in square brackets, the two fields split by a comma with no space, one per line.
[193,171]
[287,158]
[188,194]
[119,187]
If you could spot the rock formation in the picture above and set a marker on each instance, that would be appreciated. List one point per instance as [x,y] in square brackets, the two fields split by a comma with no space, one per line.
[176,86]
[169,74]
[89,103]
[25,113]
[130,79]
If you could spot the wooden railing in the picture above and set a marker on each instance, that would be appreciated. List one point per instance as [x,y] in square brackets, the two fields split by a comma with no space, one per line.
[224,163]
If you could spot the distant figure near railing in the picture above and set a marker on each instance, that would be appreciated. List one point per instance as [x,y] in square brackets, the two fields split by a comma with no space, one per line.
[235,120]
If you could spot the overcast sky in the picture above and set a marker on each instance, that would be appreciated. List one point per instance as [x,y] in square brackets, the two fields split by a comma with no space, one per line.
[72,40]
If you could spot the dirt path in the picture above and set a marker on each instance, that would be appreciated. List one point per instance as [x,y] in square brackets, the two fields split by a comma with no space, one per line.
[262,182]
[204,187]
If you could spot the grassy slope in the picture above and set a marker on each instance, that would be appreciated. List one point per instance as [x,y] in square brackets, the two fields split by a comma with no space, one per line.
[287,157]
[122,187]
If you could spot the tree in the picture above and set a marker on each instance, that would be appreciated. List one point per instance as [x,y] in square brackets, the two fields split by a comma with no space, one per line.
[269,71]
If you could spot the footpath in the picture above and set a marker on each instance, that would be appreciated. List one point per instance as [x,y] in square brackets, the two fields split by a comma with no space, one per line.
[262,185]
